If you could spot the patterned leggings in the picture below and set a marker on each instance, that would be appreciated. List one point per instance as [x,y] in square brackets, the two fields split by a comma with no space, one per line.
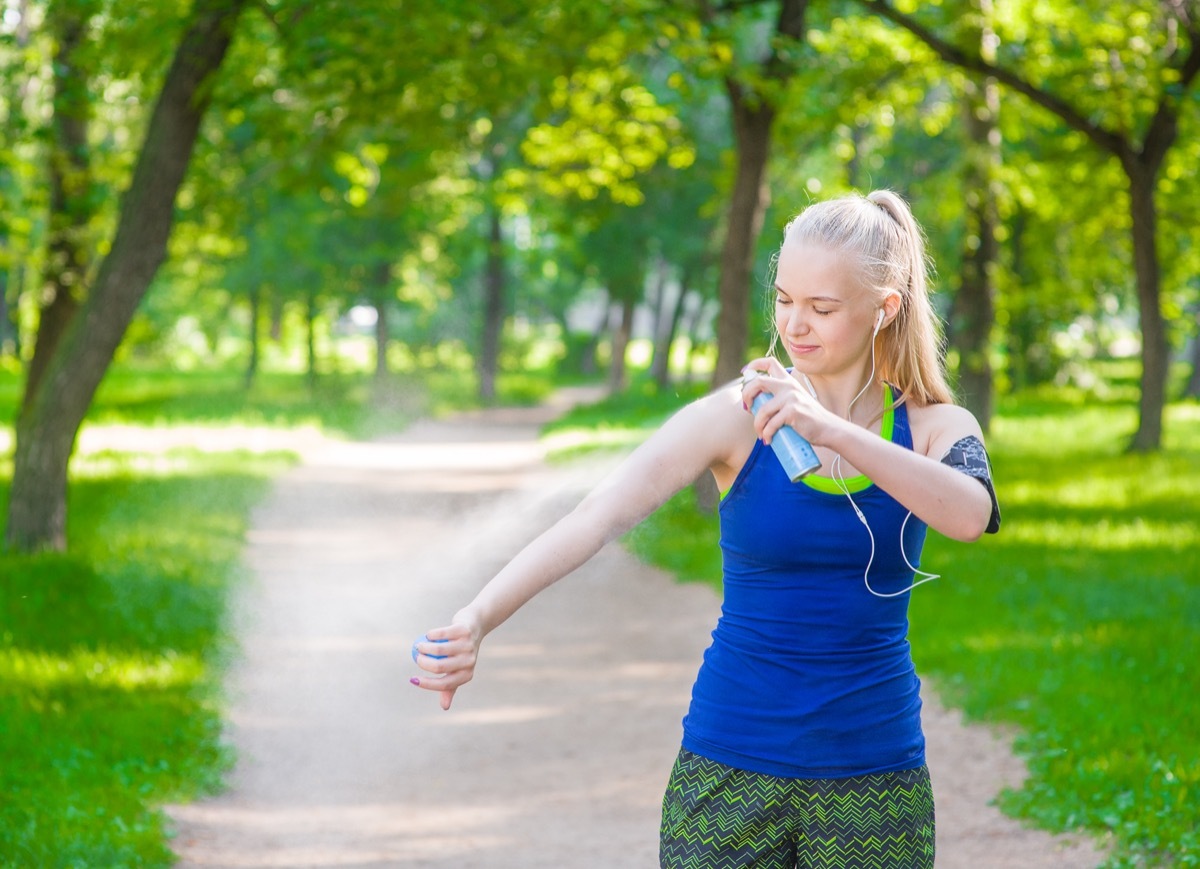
[718,817]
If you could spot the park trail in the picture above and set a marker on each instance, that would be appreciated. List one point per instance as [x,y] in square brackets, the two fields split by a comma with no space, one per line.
[557,754]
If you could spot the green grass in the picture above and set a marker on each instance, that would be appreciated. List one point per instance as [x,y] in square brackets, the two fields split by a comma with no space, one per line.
[1078,622]
[344,404]
[111,656]
[110,659]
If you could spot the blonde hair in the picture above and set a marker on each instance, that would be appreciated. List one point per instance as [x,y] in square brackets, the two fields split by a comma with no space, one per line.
[880,232]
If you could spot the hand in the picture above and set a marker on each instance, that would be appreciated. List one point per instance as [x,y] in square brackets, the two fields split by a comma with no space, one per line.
[458,646]
[790,403]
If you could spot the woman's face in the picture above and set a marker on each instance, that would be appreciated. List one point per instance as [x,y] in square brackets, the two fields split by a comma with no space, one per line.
[824,316]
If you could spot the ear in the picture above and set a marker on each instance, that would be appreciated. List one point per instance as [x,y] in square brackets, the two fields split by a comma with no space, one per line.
[890,308]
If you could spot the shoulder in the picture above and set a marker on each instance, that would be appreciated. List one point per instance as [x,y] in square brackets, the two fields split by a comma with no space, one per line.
[719,413]
[716,427]
[936,427]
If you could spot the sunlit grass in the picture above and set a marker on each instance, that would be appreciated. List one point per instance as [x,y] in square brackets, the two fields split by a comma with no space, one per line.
[45,674]
[111,656]
[1078,622]
[110,663]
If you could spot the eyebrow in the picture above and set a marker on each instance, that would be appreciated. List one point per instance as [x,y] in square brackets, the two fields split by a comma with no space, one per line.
[831,299]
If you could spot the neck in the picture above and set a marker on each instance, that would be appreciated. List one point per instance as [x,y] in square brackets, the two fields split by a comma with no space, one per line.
[857,398]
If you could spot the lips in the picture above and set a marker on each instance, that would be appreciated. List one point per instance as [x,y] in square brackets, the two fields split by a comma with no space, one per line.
[802,349]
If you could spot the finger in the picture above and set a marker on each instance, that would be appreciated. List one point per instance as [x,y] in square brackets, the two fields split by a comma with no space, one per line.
[434,666]
[763,417]
[768,365]
[447,698]
[440,682]
[449,632]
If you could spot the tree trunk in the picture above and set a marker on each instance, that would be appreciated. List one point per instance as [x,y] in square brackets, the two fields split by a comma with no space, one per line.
[493,308]
[16,89]
[379,298]
[1156,354]
[383,340]
[1192,389]
[8,328]
[310,333]
[587,357]
[666,312]
[255,344]
[47,428]
[668,329]
[752,121]
[753,116]
[69,172]
[691,328]
[974,311]
[276,328]
[617,372]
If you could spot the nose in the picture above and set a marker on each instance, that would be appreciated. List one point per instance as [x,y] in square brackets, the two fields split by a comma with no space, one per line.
[797,323]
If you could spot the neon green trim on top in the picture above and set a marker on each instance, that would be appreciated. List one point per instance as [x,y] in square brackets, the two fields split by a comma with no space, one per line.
[862,481]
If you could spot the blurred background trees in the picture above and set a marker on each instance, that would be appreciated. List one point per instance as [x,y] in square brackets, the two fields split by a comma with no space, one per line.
[466,184]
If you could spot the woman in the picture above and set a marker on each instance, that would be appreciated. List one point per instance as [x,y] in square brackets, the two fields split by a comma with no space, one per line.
[802,745]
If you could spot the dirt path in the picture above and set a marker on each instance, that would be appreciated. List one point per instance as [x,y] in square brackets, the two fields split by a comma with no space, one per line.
[557,754]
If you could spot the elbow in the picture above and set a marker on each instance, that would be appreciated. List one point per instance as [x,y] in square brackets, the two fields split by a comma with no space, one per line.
[965,519]
[969,525]
[966,533]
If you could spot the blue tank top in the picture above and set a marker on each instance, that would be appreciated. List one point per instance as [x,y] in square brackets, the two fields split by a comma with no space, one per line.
[809,675]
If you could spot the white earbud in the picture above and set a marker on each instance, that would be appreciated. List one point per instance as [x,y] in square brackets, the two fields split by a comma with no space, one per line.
[878,323]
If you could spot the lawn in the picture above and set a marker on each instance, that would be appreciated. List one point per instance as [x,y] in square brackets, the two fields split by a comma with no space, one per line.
[112,656]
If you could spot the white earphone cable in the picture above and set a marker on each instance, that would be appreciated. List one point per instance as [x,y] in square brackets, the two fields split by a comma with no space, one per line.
[836,471]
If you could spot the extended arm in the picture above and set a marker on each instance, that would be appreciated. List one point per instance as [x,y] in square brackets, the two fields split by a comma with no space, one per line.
[697,438]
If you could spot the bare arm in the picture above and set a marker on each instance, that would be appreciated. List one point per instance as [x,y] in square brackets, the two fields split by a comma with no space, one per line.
[700,437]
[947,500]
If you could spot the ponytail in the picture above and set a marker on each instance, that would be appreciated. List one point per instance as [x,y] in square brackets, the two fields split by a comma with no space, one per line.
[880,231]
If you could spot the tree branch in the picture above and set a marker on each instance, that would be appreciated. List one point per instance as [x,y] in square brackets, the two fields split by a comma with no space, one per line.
[733,6]
[1109,141]
[1164,126]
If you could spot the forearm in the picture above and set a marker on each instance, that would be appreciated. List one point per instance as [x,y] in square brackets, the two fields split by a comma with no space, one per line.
[672,458]
[950,502]
[557,552]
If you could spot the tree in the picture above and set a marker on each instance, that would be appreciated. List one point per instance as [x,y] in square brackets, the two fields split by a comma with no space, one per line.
[753,106]
[973,314]
[68,252]
[47,427]
[1136,121]
[14,190]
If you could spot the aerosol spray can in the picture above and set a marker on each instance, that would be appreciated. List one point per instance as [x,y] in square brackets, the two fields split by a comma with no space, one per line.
[793,451]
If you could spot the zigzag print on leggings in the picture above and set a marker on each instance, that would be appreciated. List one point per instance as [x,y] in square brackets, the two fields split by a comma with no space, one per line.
[718,817]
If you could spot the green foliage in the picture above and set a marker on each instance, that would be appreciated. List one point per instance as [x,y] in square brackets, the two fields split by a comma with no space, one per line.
[1076,623]
[640,407]
[617,422]
[110,661]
